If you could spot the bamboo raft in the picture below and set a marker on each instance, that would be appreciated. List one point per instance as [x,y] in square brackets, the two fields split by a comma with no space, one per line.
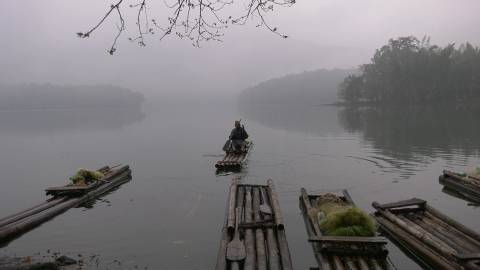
[253,235]
[63,199]
[467,186]
[233,160]
[429,236]
[342,252]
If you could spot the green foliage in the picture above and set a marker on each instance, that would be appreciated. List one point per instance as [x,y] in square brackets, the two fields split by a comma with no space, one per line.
[84,176]
[408,71]
[347,221]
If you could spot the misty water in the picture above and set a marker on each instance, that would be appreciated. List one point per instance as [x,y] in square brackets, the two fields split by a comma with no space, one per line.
[170,215]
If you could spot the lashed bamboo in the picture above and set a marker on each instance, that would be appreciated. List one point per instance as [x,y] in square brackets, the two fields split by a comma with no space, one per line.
[273,253]
[275,204]
[323,259]
[425,237]
[249,237]
[420,248]
[466,239]
[31,211]
[239,204]
[116,178]
[284,250]
[448,238]
[453,223]
[231,206]
[363,264]
[222,250]
[259,236]
[426,234]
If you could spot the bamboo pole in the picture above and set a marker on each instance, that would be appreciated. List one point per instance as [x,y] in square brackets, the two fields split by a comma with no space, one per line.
[231,207]
[235,265]
[25,210]
[467,180]
[259,237]
[350,263]
[31,211]
[249,237]
[120,176]
[275,205]
[363,263]
[222,249]
[338,263]
[321,258]
[422,236]
[375,264]
[433,241]
[449,238]
[284,250]
[459,234]
[416,246]
[453,223]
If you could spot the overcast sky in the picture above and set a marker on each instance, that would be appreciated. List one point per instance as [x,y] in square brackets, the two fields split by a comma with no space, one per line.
[39,42]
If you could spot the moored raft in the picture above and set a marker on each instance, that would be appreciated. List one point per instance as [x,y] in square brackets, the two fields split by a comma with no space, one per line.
[234,160]
[429,236]
[63,199]
[253,235]
[342,252]
[466,185]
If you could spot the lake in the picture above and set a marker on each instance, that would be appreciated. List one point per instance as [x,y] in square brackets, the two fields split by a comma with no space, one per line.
[170,215]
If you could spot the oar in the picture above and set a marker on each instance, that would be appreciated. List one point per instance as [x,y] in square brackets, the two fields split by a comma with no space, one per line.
[236,248]
[264,207]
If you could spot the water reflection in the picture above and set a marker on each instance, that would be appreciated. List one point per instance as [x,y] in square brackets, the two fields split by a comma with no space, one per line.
[413,133]
[321,120]
[34,122]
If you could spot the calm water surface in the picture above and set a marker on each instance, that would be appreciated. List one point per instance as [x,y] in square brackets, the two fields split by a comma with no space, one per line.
[170,215]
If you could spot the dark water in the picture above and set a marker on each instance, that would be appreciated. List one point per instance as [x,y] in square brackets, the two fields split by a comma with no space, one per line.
[169,216]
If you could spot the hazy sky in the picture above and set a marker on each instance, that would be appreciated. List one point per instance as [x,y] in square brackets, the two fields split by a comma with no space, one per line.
[39,43]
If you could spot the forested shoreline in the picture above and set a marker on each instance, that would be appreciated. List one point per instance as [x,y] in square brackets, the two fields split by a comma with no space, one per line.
[308,88]
[412,71]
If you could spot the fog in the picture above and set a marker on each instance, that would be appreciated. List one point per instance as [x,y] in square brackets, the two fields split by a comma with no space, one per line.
[39,43]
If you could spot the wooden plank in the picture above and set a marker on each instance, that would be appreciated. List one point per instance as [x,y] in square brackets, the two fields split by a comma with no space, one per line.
[348,239]
[411,202]
[468,256]
[414,246]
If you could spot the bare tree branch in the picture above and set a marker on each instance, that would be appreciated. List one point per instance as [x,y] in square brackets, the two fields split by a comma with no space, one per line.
[205,24]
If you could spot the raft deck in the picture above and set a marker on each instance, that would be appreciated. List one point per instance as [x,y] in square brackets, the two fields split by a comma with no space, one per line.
[430,237]
[14,225]
[261,230]
[233,160]
[342,252]
[465,185]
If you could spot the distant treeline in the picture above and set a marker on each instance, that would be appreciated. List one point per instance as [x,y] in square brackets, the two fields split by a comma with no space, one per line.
[307,88]
[410,71]
[49,96]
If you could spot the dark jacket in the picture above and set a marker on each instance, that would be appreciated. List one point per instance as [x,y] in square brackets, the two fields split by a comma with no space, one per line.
[238,134]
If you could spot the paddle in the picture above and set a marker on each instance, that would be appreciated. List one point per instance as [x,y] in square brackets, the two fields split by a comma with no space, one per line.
[264,207]
[236,248]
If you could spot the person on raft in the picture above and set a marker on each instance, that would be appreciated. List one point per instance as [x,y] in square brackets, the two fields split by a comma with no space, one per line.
[238,137]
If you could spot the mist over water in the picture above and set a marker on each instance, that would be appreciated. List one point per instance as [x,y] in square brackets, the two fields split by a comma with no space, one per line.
[170,215]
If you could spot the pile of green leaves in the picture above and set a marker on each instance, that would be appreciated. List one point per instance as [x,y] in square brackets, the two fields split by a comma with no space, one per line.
[84,176]
[348,221]
[338,218]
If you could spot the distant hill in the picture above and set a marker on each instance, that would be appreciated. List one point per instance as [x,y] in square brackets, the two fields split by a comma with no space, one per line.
[49,96]
[307,88]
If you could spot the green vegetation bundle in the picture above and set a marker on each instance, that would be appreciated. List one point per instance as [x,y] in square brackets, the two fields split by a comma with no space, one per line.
[338,218]
[84,177]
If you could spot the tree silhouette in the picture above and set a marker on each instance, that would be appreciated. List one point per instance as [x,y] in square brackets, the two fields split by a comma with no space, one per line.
[410,71]
[194,20]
